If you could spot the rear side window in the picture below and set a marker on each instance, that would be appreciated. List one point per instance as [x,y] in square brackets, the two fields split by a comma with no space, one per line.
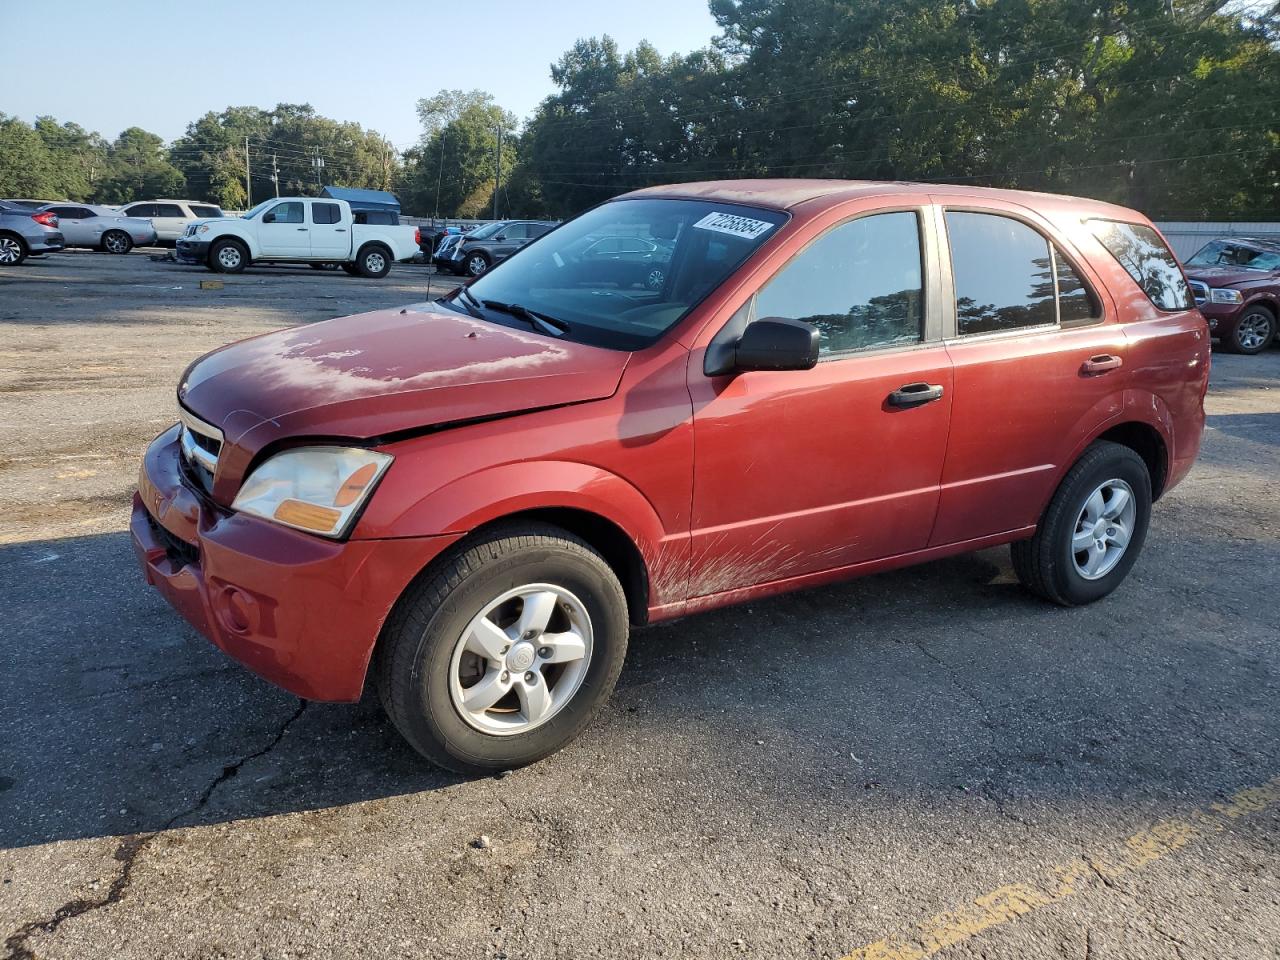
[325,213]
[1144,256]
[859,283]
[202,211]
[1003,273]
[169,210]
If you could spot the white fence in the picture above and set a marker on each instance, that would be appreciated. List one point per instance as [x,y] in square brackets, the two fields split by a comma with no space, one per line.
[1187,237]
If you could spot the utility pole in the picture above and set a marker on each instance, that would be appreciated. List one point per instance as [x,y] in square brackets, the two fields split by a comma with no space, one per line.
[248,184]
[440,173]
[497,181]
[318,162]
[275,174]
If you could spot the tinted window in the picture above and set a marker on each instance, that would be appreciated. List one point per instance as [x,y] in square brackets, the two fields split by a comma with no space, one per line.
[202,211]
[285,213]
[1003,273]
[538,229]
[1076,303]
[169,210]
[73,213]
[326,213]
[859,284]
[1144,256]
[517,231]
[140,210]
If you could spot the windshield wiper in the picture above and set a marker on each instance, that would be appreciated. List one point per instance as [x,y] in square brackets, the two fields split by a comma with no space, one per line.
[539,321]
[469,302]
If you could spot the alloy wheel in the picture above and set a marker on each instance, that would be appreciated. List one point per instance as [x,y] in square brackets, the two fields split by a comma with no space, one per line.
[10,251]
[477,266]
[116,243]
[1103,529]
[1253,332]
[521,659]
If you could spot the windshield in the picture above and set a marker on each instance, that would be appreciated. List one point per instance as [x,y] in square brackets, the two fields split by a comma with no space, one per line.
[488,230]
[1223,253]
[624,273]
[250,214]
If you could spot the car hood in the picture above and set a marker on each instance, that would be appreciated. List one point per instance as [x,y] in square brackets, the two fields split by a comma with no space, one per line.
[381,373]
[1226,276]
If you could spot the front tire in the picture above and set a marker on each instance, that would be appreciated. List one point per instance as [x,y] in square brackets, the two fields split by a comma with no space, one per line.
[476,264]
[12,250]
[1092,531]
[117,241]
[374,262]
[1254,331]
[228,256]
[505,651]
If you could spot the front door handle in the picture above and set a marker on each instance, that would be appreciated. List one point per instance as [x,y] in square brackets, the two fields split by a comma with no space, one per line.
[1100,364]
[915,394]
[303,229]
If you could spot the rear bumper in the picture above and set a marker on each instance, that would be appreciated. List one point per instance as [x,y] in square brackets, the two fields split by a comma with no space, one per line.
[300,611]
[192,251]
[45,243]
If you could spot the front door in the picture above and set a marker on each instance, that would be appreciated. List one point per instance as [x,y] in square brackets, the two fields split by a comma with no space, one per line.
[284,233]
[797,472]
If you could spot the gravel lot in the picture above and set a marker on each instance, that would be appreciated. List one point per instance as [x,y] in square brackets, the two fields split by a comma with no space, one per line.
[928,762]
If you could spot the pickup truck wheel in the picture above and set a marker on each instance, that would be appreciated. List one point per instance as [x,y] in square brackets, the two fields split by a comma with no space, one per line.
[476,263]
[228,256]
[12,250]
[504,650]
[374,261]
[1254,331]
[1092,531]
[117,241]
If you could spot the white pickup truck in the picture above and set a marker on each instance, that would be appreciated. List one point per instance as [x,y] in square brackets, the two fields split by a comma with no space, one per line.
[297,230]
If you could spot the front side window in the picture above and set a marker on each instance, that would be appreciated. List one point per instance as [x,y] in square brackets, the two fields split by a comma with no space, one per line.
[629,303]
[1003,272]
[1144,256]
[517,231]
[325,213]
[286,212]
[859,283]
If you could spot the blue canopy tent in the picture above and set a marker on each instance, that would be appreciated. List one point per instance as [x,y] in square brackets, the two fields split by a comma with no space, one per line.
[365,201]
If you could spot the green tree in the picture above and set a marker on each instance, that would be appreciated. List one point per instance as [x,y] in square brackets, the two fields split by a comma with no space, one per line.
[138,168]
[454,165]
[27,166]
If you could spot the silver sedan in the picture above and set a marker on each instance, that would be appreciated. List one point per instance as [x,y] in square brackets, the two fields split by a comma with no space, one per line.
[90,225]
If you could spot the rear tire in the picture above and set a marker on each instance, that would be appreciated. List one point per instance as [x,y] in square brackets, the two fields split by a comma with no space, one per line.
[426,652]
[1084,524]
[228,256]
[12,250]
[117,241]
[374,261]
[1254,332]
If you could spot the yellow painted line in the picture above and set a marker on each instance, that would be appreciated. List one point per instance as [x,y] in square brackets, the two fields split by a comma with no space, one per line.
[1015,900]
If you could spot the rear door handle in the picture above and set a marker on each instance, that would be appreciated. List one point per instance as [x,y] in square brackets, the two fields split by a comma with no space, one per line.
[915,394]
[1100,364]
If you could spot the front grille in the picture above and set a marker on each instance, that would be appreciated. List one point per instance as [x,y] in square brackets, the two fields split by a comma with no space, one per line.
[201,444]
[1199,290]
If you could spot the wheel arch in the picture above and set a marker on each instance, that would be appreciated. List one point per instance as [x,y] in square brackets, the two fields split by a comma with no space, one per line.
[1148,443]
[22,242]
[375,243]
[245,242]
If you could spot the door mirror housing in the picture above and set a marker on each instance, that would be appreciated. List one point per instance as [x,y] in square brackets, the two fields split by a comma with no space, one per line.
[777,343]
[269,217]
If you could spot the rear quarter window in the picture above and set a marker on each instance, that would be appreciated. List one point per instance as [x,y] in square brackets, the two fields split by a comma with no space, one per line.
[1144,256]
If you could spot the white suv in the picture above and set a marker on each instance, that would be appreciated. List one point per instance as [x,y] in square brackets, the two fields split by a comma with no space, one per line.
[170,217]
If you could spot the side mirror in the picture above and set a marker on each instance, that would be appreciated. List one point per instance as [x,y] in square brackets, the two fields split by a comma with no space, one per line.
[269,217]
[776,343]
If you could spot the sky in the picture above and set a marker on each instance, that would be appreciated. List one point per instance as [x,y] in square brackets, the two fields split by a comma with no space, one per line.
[161,65]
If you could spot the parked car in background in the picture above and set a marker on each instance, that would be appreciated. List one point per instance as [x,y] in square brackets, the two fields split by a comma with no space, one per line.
[443,256]
[630,261]
[1236,282]
[25,232]
[101,228]
[494,242]
[297,230]
[170,217]
[472,500]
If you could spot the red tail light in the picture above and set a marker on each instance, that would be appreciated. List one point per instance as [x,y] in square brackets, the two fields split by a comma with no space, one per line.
[47,217]
[417,237]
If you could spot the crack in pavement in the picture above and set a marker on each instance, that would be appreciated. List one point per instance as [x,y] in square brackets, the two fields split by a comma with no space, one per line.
[127,854]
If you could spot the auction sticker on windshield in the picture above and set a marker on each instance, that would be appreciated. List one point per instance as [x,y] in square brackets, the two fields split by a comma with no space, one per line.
[734,225]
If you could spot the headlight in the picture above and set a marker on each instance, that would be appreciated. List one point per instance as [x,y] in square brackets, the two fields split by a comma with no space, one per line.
[1226,296]
[317,489]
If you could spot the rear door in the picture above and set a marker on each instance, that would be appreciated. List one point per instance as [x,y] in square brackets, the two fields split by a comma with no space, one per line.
[330,237]
[283,232]
[169,219]
[799,472]
[77,225]
[1039,366]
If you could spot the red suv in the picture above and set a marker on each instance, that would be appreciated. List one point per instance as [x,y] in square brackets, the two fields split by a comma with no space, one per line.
[475,499]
